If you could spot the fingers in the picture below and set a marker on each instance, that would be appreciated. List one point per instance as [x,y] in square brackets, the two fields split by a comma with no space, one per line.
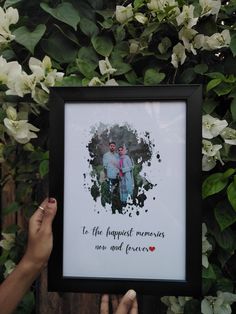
[134,309]
[104,307]
[127,303]
[37,218]
[49,214]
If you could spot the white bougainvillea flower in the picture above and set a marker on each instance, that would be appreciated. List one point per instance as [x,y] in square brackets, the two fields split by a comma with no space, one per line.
[175,304]
[187,35]
[186,17]
[178,55]
[210,7]
[8,69]
[216,41]
[221,304]
[212,127]
[39,95]
[8,241]
[105,67]
[209,149]
[229,136]
[9,267]
[11,113]
[208,163]
[111,82]
[95,81]
[7,18]
[162,5]
[21,130]
[141,18]
[21,84]
[133,46]
[206,246]
[124,14]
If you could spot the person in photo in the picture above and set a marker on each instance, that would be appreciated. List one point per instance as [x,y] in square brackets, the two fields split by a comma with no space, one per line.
[126,184]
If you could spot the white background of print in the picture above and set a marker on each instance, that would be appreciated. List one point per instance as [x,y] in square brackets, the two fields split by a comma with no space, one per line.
[166,123]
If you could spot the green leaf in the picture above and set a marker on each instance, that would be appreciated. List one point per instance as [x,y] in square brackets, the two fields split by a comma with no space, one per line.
[231,193]
[223,89]
[27,304]
[224,214]
[120,66]
[201,68]
[228,173]
[102,44]
[153,77]
[119,33]
[233,45]
[225,285]
[86,68]
[138,3]
[71,81]
[233,109]
[187,76]
[53,47]
[213,83]
[208,273]
[29,39]
[12,208]
[213,184]
[88,27]
[64,12]
[43,168]
[226,239]
[209,105]
[10,3]
[151,28]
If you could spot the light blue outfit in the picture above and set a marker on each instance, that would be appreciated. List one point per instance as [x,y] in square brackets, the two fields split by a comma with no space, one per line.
[111,163]
[127,179]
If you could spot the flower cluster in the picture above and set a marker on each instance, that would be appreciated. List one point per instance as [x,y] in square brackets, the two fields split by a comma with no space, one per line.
[219,304]
[7,18]
[106,71]
[20,130]
[20,83]
[211,128]
[183,19]
[175,304]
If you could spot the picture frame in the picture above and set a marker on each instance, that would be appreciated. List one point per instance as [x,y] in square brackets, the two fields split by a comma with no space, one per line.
[113,232]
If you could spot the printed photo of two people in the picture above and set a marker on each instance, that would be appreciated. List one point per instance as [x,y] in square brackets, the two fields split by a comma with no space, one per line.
[117,159]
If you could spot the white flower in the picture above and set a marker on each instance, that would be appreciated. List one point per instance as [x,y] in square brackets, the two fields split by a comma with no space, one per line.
[20,84]
[216,41]
[8,69]
[212,127]
[229,136]
[210,7]
[206,246]
[20,130]
[141,18]
[219,304]
[105,67]
[8,241]
[111,82]
[187,18]
[175,304]
[11,113]
[9,267]
[209,149]
[186,35]
[133,46]
[7,18]
[178,55]
[95,81]
[161,5]
[211,153]
[123,14]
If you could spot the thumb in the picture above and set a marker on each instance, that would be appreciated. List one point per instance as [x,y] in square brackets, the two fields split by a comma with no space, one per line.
[49,214]
[126,302]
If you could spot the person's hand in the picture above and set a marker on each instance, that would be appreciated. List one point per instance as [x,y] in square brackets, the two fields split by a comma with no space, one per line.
[127,305]
[40,238]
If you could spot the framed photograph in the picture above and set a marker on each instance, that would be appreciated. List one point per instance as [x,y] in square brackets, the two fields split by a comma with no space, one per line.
[125,166]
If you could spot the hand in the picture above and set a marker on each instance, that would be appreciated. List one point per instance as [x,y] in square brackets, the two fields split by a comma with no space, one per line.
[40,238]
[127,305]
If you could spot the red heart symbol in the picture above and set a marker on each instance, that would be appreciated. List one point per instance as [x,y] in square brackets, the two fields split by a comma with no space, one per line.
[152,248]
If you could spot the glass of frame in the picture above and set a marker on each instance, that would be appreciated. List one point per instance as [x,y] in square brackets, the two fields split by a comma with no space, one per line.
[125,165]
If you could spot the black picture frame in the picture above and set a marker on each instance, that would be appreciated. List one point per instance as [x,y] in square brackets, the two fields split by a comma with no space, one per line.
[191,96]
